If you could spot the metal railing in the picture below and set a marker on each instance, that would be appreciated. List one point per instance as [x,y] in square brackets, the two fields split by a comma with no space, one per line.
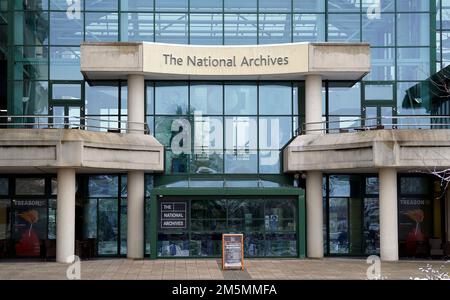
[379,123]
[104,124]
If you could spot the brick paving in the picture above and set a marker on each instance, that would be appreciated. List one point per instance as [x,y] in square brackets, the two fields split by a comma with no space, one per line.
[197,269]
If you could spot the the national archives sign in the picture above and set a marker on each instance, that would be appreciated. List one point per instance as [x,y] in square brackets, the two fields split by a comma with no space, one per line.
[334,61]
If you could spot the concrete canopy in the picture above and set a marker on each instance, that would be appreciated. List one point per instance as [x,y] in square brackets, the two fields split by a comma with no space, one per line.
[157,61]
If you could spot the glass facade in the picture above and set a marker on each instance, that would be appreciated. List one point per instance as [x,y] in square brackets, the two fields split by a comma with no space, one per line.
[237,130]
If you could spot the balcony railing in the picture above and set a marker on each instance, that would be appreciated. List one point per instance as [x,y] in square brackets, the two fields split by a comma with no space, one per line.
[104,124]
[364,124]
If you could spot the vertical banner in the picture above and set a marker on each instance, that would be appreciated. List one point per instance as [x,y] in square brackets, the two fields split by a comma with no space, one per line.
[232,251]
[30,226]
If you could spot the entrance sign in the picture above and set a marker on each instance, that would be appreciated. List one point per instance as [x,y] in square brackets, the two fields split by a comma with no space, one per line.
[173,215]
[232,251]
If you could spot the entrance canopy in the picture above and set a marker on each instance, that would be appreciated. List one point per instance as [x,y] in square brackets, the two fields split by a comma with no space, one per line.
[157,61]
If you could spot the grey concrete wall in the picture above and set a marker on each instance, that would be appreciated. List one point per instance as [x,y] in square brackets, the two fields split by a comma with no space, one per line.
[375,149]
[79,149]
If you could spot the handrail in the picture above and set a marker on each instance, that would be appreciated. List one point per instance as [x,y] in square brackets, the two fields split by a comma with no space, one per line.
[72,122]
[376,123]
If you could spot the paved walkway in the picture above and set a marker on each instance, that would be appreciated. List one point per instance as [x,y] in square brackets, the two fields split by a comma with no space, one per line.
[329,268]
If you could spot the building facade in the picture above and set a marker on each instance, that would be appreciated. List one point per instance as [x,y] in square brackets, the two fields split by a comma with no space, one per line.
[310,126]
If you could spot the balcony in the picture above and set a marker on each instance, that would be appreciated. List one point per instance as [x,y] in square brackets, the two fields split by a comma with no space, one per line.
[365,145]
[45,143]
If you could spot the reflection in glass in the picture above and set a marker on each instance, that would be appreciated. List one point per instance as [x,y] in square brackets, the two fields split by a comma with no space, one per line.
[344,27]
[274,28]
[101,98]
[240,29]
[206,29]
[102,27]
[30,186]
[136,27]
[240,99]
[171,28]
[103,186]
[309,28]
[65,63]
[65,30]
[338,219]
[206,99]
[171,98]
[107,226]
[5,219]
[371,226]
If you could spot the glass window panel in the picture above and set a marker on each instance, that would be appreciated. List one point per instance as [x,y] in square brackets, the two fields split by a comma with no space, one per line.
[90,218]
[5,220]
[31,63]
[240,99]
[150,106]
[136,27]
[379,92]
[207,162]
[123,226]
[275,6]
[66,91]
[371,226]
[413,29]
[206,99]
[102,98]
[372,186]
[206,5]
[382,64]
[206,29]
[414,185]
[51,230]
[30,98]
[171,5]
[344,27]
[163,128]
[309,28]
[281,244]
[65,30]
[136,5]
[344,6]
[176,163]
[103,186]
[108,226]
[274,132]
[379,32]
[410,101]
[4,186]
[102,27]
[30,186]
[338,219]
[275,99]
[171,98]
[274,28]
[32,5]
[344,186]
[373,7]
[241,133]
[123,99]
[269,162]
[173,245]
[238,5]
[104,5]
[309,6]
[31,28]
[241,162]
[240,29]
[171,28]
[208,134]
[413,63]
[65,63]
[345,100]
[413,5]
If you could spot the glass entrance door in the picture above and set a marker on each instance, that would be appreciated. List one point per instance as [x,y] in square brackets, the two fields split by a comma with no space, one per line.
[108,229]
[66,104]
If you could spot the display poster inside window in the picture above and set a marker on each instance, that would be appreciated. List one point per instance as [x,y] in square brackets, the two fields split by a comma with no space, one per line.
[232,251]
[415,224]
[30,226]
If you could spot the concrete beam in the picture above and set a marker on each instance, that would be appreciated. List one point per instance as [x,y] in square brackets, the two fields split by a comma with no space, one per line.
[79,149]
[408,149]
[293,61]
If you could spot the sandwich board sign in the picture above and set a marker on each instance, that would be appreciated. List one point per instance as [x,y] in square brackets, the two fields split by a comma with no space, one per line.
[232,251]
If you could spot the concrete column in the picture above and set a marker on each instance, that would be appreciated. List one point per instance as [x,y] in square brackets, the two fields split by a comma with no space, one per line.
[314,215]
[314,200]
[65,216]
[313,103]
[135,180]
[135,103]
[388,214]
[135,215]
